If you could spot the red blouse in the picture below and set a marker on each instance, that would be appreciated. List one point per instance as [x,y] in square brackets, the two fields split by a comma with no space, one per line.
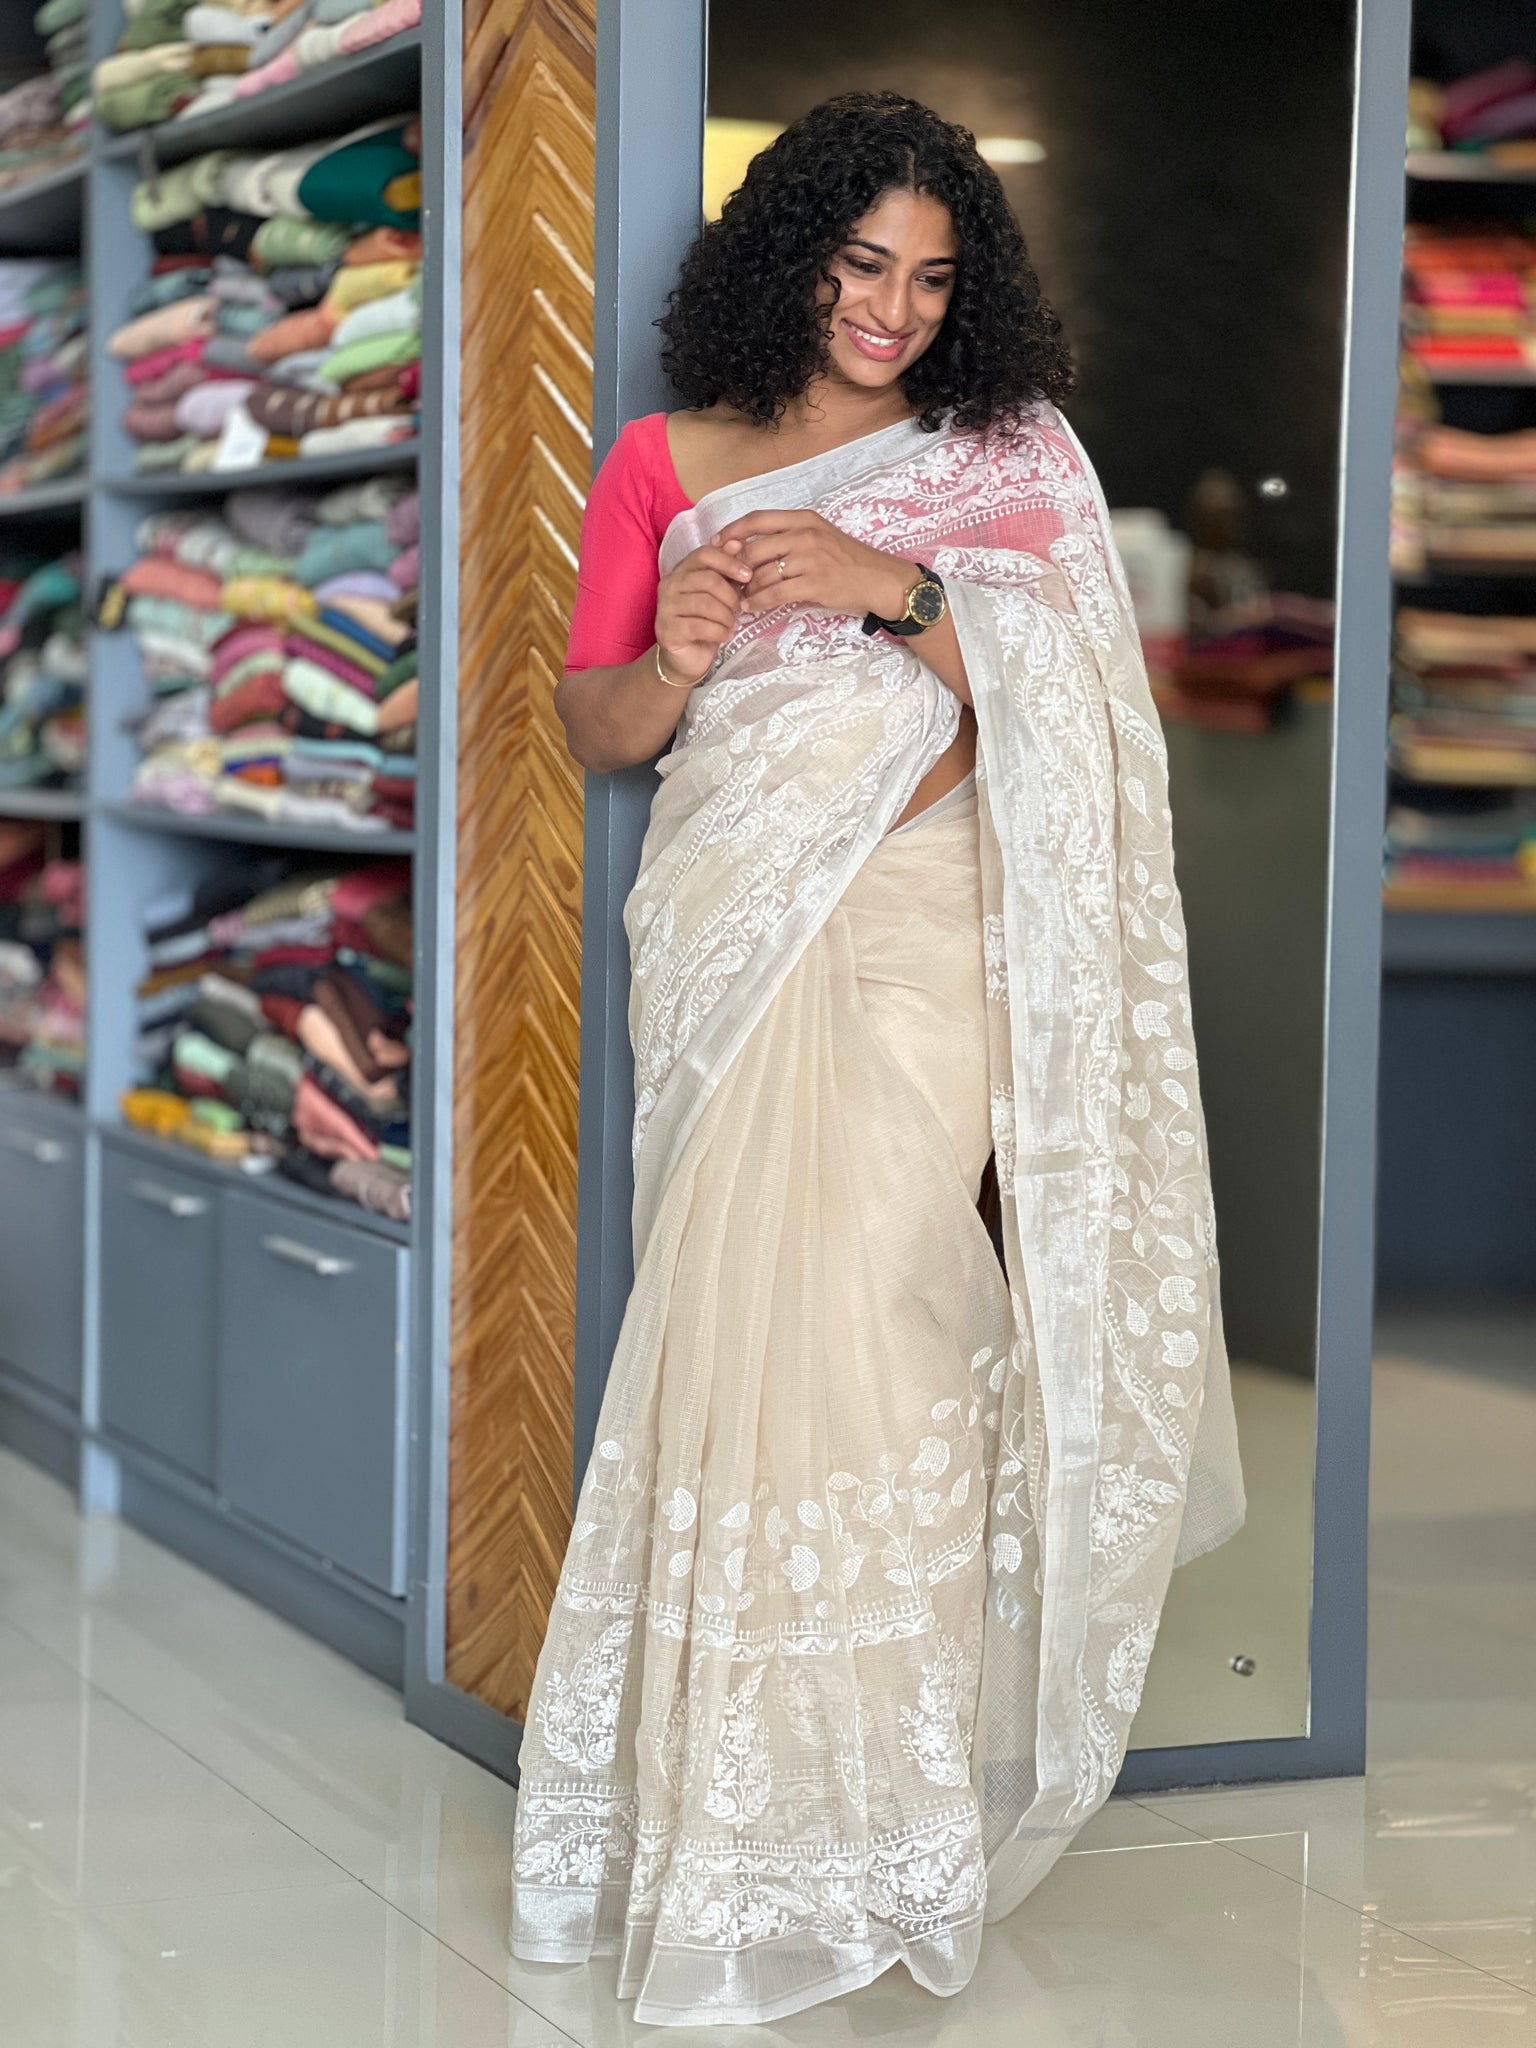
[635,496]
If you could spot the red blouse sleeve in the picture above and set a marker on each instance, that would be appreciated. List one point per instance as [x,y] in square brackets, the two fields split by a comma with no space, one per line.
[635,496]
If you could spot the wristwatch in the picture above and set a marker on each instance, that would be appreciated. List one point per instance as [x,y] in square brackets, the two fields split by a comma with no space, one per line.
[926,605]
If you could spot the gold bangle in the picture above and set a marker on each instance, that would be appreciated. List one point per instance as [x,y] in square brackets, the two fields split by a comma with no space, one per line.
[661,672]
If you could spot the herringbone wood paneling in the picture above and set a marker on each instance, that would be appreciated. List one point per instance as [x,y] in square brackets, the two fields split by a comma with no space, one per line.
[526,442]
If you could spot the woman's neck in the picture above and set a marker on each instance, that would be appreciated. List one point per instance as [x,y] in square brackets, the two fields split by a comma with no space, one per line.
[831,411]
[717,447]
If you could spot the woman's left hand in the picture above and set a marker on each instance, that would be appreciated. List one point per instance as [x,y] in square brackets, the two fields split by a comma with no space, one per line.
[801,558]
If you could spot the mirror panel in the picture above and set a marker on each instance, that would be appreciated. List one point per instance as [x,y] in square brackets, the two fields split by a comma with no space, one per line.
[1185,196]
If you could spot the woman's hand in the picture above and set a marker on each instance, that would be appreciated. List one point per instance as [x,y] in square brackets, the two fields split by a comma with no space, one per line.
[697,609]
[801,558]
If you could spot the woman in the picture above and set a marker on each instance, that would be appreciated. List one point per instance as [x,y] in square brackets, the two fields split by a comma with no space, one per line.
[869,1559]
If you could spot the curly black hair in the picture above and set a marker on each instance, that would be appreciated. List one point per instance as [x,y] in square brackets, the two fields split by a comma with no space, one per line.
[742,328]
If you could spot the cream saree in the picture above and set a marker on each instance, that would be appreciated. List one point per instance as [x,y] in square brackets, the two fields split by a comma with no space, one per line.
[868,1562]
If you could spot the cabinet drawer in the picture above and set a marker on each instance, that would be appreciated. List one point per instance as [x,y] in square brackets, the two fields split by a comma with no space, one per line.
[42,1248]
[312,1384]
[159,1247]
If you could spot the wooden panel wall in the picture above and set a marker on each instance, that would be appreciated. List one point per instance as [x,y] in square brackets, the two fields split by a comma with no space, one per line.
[526,443]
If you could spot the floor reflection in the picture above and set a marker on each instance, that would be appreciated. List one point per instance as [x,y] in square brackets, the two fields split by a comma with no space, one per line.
[214,1834]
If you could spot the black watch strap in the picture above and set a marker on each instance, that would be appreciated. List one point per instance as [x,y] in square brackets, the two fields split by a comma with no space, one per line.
[904,629]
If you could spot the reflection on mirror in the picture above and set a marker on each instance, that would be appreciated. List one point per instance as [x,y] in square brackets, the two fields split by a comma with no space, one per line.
[1184,193]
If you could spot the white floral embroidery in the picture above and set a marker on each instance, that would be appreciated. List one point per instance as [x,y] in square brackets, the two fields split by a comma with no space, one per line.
[995,955]
[579,1714]
[1125,1506]
[934,1739]
[1127,1667]
[1004,1135]
[743,1774]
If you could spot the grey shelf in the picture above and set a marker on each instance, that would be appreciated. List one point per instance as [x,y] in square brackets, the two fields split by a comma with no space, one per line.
[1494,374]
[16,1096]
[214,483]
[274,1185]
[42,216]
[1461,167]
[1445,570]
[329,99]
[230,825]
[1458,942]
[62,804]
[45,501]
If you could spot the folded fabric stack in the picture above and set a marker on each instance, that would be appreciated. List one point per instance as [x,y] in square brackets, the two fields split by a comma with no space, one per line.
[177,58]
[1248,660]
[44,118]
[42,672]
[274,1026]
[1459,849]
[1462,500]
[42,372]
[1467,299]
[1461,826]
[1491,113]
[278,639]
[151,74]
[282,315]
[42,964]
[1464,699]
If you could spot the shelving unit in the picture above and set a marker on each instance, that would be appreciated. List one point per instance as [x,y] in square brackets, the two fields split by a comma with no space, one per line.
[62,805]
[45,501]
[43,1139]
[319,469]
[42,216]
[1461,167]
[328,100]
[223,1356]
[1496,374]
[230,827]
[285,1193]
[1459,963]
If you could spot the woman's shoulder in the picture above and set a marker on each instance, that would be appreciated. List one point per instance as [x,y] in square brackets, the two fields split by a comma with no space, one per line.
[636,446]
[639,467]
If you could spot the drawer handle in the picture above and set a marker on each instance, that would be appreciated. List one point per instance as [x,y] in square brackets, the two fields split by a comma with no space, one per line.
[43,1151]
[163,1198]
[325,1264]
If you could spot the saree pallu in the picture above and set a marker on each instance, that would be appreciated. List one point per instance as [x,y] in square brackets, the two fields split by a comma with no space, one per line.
[868,1562]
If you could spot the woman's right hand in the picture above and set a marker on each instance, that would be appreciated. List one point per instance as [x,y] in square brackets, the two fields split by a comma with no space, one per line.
[697,608]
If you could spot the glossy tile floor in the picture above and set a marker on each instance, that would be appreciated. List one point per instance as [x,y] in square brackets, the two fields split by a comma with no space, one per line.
[214,1834]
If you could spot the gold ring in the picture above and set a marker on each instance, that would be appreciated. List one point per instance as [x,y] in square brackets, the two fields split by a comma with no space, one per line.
[782,570]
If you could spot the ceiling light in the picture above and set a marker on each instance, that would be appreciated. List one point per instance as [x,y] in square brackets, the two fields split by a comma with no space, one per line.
[729,146]
[1011,149]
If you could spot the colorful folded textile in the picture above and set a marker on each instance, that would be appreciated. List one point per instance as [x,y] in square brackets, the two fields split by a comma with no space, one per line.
[297,1051]
[281,246]
[42,371]
[42,127]
[42,672]
[42,964]
[179,58]
[1461,828]
[273,654]
[1466,305]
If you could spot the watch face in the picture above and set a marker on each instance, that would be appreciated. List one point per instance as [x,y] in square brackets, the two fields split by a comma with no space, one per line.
[926,604]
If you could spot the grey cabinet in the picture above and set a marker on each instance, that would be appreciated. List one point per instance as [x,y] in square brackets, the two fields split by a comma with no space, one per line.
[311,1384]
[42,1240]
[159,1246]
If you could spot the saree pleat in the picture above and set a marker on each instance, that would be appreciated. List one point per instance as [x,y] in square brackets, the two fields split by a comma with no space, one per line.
[869,1559]
[800,1814]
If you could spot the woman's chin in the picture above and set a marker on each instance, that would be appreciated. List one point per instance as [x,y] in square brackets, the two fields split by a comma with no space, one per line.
[864,371]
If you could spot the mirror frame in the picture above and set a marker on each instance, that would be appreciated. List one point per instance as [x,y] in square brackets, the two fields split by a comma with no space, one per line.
[650,108]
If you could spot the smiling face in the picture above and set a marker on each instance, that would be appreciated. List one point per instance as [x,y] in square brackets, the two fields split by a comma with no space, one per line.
[895,276]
